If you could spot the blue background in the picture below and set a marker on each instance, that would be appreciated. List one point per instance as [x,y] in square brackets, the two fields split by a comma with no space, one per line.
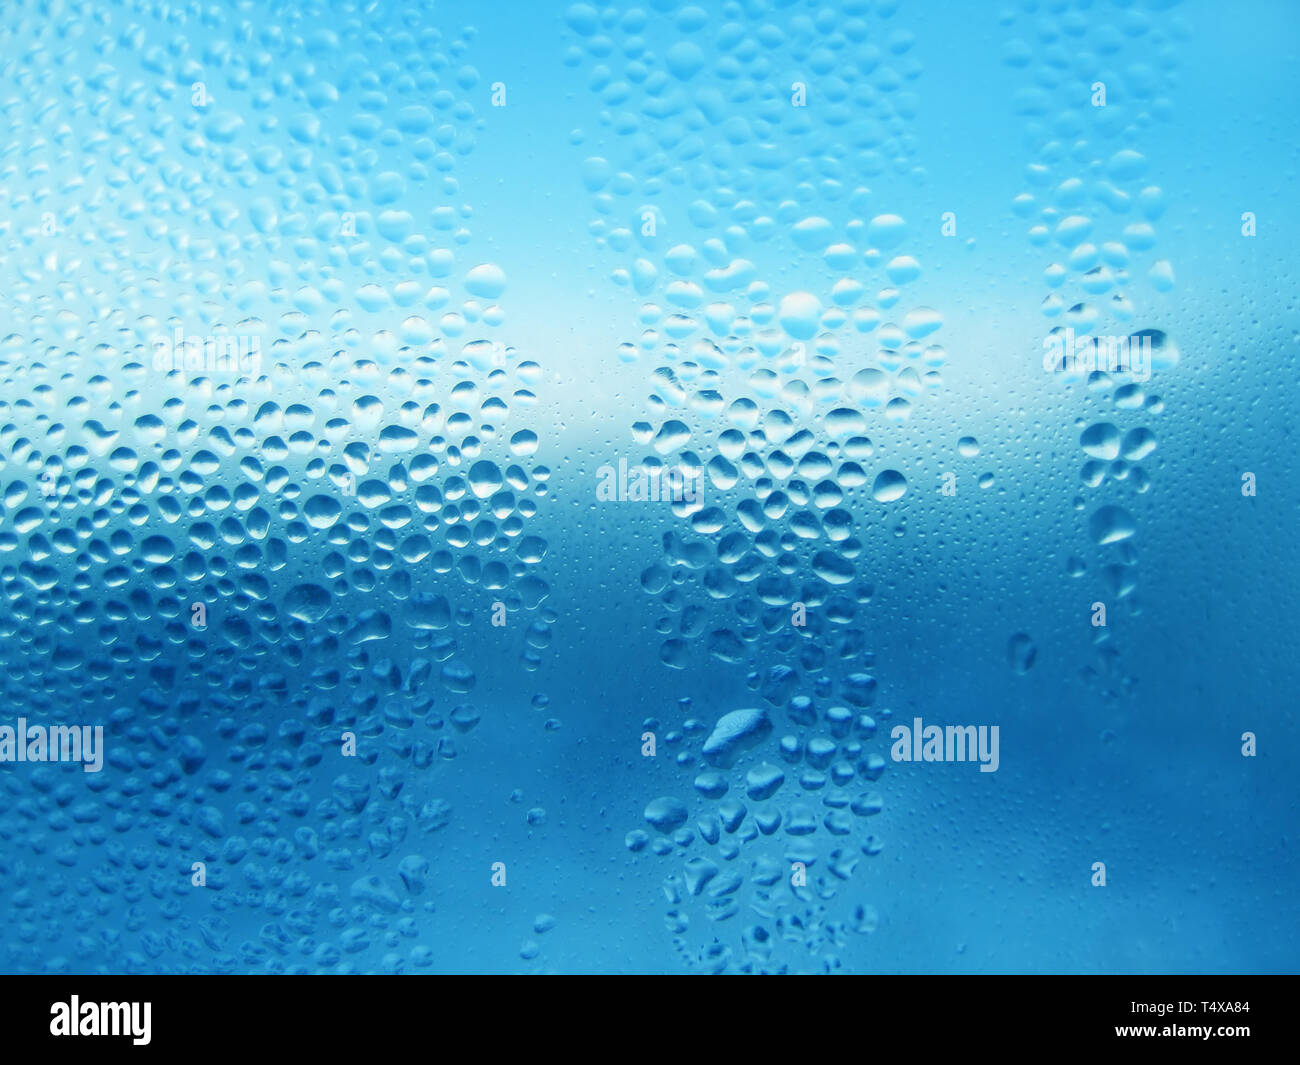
[126,210]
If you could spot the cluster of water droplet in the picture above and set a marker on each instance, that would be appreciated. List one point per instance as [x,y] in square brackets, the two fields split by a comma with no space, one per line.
[719,165]
[264,538]
[1092,85]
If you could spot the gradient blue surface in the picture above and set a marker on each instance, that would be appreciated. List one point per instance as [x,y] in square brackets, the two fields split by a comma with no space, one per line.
[812,253]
